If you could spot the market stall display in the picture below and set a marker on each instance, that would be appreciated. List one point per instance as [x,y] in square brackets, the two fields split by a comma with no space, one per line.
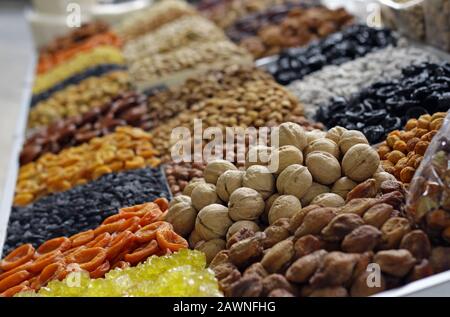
[182,274]
[123,239]
[352,42]
[437,15]
[291,25]
[83,207]
[387,105]
[403,151]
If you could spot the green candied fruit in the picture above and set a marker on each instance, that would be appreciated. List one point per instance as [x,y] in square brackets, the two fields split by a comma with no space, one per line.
[182,274]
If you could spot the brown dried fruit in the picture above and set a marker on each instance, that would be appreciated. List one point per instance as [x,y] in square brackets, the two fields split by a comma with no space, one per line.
[306,245]
[226,283]
[360,286]
[335,269]
[395,262]
[391,186]
[419,271]
[297,219]
[247,286]
[357,206]
[220,258]
[417,243]
[278,257]
[223,270]
[302,269]
[280,293]
[315,221]
[440,259]
[256,269]
[242,234]
[362,239]
[275,234]
[276,281]
[340,226]
[247,251]
[393,231]
[377,215]
[337,291]
[367,189]
[395,199]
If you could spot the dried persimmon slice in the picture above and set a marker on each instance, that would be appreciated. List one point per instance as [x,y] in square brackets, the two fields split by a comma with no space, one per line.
[17,257]
[119,243]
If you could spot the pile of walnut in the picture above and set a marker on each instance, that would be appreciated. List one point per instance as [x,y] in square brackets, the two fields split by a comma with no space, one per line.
[326,251]
[315,167]
[403,151]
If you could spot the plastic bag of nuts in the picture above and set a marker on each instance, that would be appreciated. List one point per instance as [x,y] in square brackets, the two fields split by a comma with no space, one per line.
[403,151]
[437,17]
[429,201]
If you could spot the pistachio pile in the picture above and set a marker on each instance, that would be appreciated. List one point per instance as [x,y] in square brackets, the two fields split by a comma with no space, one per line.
[125,149]
[326,251]
[77,99]
[152,18]
[308,168]
[173,67]
[403,151]
[183,31]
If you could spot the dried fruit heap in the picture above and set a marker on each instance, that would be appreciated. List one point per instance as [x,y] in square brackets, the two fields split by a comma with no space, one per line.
[181,274]
[122,240]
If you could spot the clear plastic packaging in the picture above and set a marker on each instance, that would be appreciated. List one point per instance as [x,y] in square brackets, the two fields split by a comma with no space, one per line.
[428,203]
[406,16]
[437,19]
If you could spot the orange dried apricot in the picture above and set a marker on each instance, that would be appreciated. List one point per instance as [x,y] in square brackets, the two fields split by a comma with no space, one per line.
[17,257]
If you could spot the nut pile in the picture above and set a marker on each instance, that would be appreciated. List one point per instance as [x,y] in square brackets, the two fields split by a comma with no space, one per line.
[77,64]
[349,78]
[212,209]
[353,42]
[96,71]
[387,105]
[77,99]
[152,18]
[403,151]
[429,201]
[49,60]
[182,274]
[269,32]
[122,240]
[323,251]
[256,103]
[171,68]
[185,30]
[180,174]
[128,108]
[83,207]
[127,148]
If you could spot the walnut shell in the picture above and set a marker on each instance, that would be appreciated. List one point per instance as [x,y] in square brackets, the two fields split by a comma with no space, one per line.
[194,238]
[314,135]
[328,200]
[292,134]
[315,190]
[360,162]
[350,138]
[245,204]
[284,206]
[216,168]
[180,199]
[192,184]
[213,222]
[323,145]
[269,201]
[228,182]
[259,178]
[238,225]
[285,156]
[335,133]
[324,167]
[294,180]
[381,177]
[182,216]
[211,248]
[203,195]
[343,186]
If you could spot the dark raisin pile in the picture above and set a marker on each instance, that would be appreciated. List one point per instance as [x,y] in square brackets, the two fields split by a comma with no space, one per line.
[337,48]
[386,106]
[83,207]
